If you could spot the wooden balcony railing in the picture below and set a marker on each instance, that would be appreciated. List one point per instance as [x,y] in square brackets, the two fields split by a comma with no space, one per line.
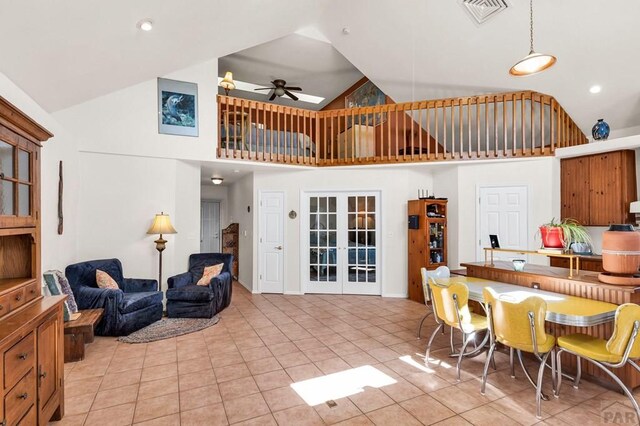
[518,124]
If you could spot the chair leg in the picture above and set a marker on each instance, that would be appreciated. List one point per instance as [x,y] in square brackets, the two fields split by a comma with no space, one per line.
[453,350]
[422,322]
[511,363]
[485,371]
[622,386]
[553,370]
[543,364]
[576,382]
[527,375]
[466,341]
[433,336]
[556,391]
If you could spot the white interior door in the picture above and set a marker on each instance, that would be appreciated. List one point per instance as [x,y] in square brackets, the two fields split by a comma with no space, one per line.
[210,227]
[271,243]
[503,211]
[339,243]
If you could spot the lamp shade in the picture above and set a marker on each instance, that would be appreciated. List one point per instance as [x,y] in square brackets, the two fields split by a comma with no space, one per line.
[531,64]
[634,207]
[162,225]
[227,82]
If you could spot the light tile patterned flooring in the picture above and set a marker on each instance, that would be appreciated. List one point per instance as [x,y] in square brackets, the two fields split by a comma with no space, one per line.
[240,372]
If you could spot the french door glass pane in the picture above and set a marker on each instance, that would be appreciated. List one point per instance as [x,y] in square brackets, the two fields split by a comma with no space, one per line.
[323,239]
[361,253]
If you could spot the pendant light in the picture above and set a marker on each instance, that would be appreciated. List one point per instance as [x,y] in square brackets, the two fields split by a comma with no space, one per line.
[534,62]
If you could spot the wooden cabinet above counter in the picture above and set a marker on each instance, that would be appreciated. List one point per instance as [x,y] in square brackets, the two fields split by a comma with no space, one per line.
[596,189]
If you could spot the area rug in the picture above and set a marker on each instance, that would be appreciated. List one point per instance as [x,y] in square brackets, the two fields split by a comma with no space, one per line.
[169,327]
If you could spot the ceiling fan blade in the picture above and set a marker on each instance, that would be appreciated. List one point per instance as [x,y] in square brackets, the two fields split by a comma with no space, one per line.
[264,88]
[293,88]
[291,95]
[273,95]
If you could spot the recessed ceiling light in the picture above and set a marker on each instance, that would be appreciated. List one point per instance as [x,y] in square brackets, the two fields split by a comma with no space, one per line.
[236,171]
[145,24]
[595,89]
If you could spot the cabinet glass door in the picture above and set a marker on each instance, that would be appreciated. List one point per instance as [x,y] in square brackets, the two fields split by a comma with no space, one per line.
[436,243]
[16,183]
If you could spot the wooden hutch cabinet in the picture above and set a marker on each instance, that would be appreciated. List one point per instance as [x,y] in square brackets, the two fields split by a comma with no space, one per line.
[31,326]
[230,241]
[596,190]
[427,241]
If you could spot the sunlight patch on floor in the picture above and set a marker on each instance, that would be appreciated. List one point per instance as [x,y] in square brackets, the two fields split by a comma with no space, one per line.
[342,384]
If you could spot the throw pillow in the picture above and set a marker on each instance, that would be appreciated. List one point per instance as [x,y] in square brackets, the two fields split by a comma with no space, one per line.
[104,280]
[209,273]
[65,287]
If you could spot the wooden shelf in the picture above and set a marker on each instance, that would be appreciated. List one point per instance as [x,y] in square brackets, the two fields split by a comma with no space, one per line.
[7,284]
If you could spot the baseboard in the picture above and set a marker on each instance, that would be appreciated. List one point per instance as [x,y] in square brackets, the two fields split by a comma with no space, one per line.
[294,293]
[245,286]
[395,295]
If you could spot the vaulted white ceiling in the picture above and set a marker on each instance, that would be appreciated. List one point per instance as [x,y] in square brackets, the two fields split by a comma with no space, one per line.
[64,52]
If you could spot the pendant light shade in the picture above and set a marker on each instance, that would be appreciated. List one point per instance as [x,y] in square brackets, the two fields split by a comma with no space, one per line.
[534,62]
[531,64]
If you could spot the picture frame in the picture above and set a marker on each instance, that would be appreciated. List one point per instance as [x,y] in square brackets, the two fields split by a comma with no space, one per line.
[177,107]
[493,239]
[368,94]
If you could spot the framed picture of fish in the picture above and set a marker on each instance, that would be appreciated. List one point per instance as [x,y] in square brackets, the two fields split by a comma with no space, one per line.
[177,107]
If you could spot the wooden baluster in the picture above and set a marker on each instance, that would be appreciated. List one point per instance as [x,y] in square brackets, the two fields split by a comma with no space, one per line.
[533,127]
[552,133]
[329,140]
[469,127]
[460,129]
[513,123]
[397,130]
[291,133]
[281,118]
[504,126]
[486,126]
[220,121]
[428,118]
[478,125]
[445,151]
[317,116]
[412,134]
[495,126]
[388,134]
[242,124]
[226,117]
[299,136]
[420,130]
[373,122]
[522,124]
[235,127]
[541,103]
[435,122]
[271,133]
[250,154]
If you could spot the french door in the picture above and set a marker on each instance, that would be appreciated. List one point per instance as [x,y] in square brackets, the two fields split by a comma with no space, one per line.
[340,242]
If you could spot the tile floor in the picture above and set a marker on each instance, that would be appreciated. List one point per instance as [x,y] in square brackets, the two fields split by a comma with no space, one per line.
[240,372]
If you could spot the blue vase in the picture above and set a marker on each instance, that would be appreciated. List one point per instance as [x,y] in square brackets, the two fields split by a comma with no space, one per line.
[600,130]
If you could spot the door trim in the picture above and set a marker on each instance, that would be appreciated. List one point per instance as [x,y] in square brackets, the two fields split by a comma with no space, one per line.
[258,289]
[477,211]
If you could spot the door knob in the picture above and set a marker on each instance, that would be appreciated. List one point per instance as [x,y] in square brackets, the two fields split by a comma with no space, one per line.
[278,247]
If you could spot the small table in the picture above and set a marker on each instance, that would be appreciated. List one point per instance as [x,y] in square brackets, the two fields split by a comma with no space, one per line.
[80,332]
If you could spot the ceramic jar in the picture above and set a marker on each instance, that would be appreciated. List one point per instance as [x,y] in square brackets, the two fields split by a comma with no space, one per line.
[600,130]
[621,250]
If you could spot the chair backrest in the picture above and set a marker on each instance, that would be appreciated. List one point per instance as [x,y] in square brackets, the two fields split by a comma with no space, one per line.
[198,261]
[444,302]
[84,273]
[510,320]
[626,316]
[439,272]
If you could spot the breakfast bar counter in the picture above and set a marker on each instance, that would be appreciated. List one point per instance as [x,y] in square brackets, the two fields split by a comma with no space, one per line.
[556,280]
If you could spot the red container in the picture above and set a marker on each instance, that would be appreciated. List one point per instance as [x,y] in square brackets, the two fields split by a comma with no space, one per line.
[551,237]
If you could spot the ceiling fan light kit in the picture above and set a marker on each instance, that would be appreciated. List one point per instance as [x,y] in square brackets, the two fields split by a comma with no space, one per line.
[280,89]
[534,62]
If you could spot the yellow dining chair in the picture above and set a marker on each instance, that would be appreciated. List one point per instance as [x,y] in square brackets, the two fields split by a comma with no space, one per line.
[451,307]
[520,326]
[622,348]
[439,272]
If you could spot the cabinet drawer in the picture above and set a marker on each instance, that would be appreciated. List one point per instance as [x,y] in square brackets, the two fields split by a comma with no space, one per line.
[17,298]
[31,292]
[22,397]
[19,359]
[30,418]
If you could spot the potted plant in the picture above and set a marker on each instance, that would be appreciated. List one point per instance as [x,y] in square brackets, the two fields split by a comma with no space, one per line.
[564,234]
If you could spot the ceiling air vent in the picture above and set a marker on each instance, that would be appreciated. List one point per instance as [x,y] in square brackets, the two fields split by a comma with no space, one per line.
[483,10]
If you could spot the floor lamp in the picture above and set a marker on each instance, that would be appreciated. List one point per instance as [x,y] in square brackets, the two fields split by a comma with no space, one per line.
[161,225]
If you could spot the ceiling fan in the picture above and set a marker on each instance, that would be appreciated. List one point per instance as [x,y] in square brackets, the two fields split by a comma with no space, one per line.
[280,88]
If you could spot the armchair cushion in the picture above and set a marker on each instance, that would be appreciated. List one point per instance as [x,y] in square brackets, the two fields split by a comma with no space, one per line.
[104,280]
[190,293]
[135,285]
[132,302]
[180,280]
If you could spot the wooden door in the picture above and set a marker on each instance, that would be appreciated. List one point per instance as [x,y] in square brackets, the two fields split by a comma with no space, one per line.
[48,353]
[574,189]
[612,187]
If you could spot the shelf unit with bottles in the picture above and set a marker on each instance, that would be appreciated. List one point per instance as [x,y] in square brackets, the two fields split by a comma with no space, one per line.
[427,241]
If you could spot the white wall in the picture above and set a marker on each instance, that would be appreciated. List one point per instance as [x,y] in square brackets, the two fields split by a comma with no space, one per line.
[57,250]
[397,185]
[241,197]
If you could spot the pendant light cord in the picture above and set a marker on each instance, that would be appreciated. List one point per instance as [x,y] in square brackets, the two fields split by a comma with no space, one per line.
[531,25]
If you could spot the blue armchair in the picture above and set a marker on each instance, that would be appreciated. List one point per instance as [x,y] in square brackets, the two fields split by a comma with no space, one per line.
[186,299]
[135,305]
